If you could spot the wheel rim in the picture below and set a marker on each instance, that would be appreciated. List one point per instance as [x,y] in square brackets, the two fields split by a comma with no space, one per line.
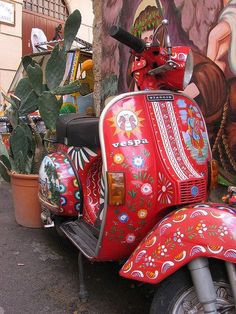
[187,303]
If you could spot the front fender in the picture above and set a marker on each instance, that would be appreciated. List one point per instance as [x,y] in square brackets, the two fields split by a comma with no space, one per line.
[198,230]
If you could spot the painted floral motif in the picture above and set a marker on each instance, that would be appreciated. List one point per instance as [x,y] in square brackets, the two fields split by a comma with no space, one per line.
[150,178]
[118,158]
[138,162]
[130,238]
[161,250]
[207,230]
[123,218]
[142,213]
[178,236]
[143,176]
[146,189]
[201,228]
[223,230]
[165,190]
[132,193]
[149,261]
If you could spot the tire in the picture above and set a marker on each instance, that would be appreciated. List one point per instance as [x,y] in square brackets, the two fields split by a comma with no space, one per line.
[176,294]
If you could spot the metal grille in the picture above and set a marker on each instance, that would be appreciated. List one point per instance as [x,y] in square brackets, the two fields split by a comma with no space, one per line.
[53,8]
[193,191]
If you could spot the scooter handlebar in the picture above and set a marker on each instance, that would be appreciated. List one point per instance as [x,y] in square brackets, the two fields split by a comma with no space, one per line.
[127,39]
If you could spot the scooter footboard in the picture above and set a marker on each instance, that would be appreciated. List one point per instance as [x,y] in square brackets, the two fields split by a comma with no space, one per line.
[195,231]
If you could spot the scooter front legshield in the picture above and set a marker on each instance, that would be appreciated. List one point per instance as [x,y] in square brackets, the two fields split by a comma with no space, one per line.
[157,140]
[195,231]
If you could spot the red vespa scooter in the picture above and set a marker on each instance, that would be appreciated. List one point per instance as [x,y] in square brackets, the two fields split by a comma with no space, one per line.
[135,181]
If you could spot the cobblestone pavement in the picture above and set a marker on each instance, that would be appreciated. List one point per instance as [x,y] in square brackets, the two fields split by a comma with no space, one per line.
[38,274]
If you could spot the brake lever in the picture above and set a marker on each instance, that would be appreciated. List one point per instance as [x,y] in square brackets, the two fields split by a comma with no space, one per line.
[169,65]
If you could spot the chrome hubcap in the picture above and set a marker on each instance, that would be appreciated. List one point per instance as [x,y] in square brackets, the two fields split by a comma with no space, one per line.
[188,303]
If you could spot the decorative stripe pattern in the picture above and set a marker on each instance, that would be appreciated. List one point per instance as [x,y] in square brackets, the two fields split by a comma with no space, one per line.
[171,139]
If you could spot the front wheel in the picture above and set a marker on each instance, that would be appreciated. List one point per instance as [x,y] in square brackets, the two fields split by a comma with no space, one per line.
[176,294]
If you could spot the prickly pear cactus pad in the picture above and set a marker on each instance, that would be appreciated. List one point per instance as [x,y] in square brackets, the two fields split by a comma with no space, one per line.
[33,94]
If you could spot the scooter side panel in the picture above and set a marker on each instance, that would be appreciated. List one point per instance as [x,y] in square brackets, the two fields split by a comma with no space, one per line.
[195,231]
[147,137]
[59,188]
[87,163]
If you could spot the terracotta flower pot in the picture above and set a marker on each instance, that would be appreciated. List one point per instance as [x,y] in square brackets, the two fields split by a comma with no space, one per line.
[25,198]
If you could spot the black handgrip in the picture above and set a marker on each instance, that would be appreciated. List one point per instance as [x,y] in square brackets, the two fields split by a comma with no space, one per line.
[126,38]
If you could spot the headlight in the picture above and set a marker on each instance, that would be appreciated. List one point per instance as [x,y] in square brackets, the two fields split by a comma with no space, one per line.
[188,70]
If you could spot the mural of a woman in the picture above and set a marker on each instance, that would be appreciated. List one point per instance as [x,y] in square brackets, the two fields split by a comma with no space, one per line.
[212,88]
[208,86]
[222,38]
[222,50]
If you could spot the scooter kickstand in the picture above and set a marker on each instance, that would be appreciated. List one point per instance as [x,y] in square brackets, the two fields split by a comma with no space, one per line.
[83,293]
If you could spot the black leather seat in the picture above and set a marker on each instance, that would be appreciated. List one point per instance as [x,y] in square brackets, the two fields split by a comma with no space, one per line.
[76,130]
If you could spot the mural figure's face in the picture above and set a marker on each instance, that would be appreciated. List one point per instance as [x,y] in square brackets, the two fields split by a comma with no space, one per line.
[147,36]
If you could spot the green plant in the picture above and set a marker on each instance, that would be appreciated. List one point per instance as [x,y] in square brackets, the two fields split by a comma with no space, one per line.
[25,145]
[32,94]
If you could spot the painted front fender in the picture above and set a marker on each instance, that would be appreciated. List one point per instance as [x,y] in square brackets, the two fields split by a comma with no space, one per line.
[199,230]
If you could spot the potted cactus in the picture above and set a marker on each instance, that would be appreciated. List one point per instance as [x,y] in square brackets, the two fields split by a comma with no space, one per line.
[19,165]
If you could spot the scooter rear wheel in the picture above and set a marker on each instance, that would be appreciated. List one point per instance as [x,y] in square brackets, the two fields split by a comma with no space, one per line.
[176,294]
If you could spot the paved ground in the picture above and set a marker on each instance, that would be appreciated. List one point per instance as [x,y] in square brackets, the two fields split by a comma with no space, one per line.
[38,274]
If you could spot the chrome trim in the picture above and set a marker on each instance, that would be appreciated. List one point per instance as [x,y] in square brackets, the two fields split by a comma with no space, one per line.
[188,73]
[203,284]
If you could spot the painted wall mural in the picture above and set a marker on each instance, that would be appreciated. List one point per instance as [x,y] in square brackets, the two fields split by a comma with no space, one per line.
[209,28]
